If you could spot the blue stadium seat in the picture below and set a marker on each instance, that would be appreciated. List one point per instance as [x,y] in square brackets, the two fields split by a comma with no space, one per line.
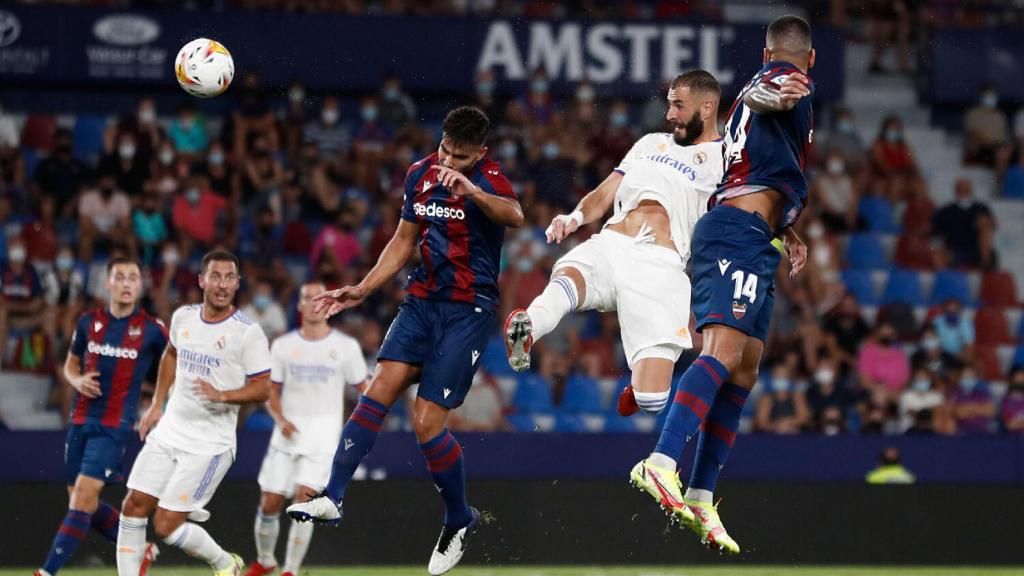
[494,360]
[582,394]
[877,212]
[570,423]
[859,283]
[616,423]
[521,422]
[951,284]
[865,251]
[903,286]
[87,138]
[1018,357]
[533,394]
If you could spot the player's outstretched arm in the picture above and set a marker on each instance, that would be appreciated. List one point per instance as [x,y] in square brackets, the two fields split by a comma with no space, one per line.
[504,211]
[394,256]
[256,389]
[766,97]
[164,377]
[590,209]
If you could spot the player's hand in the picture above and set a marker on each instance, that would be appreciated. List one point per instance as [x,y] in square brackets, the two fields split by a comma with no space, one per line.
[206,392]
[149,420]
[333,301]
[797,251]
[793,89]
[561,226]
[287,428]
[87,385]
[455,181]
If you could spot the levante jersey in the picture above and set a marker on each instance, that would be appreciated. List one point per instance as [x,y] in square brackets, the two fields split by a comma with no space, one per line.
[460,247]
[768,150]
[122,350]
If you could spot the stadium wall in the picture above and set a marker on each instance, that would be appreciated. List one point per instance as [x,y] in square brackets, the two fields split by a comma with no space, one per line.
[598,522]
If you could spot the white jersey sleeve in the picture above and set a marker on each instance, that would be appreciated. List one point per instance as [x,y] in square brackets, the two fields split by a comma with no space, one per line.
[276,361]
[255,352]
[355,369]
[635,154]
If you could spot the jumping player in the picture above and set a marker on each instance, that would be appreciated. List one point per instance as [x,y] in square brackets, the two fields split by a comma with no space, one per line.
[310,368]
[112,350]
[217,359]
[636,265]
[457,205]
[768,133]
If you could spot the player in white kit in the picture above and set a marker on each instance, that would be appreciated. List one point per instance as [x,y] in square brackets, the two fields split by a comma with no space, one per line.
[636,264]
[217,359]
[310,370]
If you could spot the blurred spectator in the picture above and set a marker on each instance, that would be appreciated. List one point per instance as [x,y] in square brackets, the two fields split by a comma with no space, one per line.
[823,281]
[150,226]
[890,470]
[919,396]
[262,177]
[104,216]
[1012,410]
[293,118]
[486,99]
[195,215]
[553,173]
[962,224]
[483,409]
[266,311]
[9,137]
[538,104]
[129,169]
[893,161]
[931,357]
[883,365]
[331,137]
[845,142]
[65,290]
[21,307]
[187,132]
[828,398]
[224,179]
[986,133]
[253,119]
[397,110]
[975,408]
[783,410]
[889,26]
[40,233]
[834,195]
[337,242]
[141,128]
[845,329]
[60,175]
[955,331]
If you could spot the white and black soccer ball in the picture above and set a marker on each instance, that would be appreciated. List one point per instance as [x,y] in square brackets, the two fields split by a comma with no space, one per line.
[204,68]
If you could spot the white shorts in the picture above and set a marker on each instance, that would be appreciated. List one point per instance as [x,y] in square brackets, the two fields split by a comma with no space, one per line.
[648,286]
[282,471]
[183,482]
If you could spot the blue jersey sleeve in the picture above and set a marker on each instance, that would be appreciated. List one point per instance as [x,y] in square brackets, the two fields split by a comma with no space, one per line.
[409,194]
[81,336]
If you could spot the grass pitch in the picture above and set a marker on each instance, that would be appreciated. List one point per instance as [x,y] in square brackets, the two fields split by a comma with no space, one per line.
[592,571]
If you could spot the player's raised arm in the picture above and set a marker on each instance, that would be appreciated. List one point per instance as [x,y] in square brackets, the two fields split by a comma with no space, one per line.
[164,377]
[767,97]
[501,209]
[590,209]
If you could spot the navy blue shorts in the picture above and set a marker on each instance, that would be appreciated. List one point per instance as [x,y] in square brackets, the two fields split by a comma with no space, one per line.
[734,266]
[95,451]
[445,339]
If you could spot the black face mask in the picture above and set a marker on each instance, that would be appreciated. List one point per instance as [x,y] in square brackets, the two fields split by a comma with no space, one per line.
[694,128]
[885,340]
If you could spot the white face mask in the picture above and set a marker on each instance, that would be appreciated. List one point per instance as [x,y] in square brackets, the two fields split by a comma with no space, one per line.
[147,115]
[127,151]
[170,257]
[922,385]
[835,166]
[825,376]
[16,254]
[330,116]
[166,157]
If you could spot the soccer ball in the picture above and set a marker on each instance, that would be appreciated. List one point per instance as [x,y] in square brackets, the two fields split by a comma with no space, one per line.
[204,68]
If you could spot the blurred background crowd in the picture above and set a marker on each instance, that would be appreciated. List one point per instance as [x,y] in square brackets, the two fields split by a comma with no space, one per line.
[905,322]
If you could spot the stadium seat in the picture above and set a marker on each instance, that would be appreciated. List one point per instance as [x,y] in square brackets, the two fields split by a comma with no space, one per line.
[494,359]
[582,394]
[1018,357]
[87,138]
[865,251]
[917,215]
[617,424]
[951,284]
[533,394]
[914,251]
[38,132]
[990,327]
[877,213]
[570,423]
[521,422]
[903,286]
[986,358]
[859,283]
[998,289]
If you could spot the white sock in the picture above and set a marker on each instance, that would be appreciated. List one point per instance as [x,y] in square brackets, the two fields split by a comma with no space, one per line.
[267,528]
[651,402]
[131,545]
[558,299]
[196,542]
[662,461]
[702,496]
[299,536]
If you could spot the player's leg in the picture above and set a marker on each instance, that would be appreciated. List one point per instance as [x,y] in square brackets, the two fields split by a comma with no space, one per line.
[523,327]
[83,498]
[300,533]
[275,481]
[133,553]
[172,527]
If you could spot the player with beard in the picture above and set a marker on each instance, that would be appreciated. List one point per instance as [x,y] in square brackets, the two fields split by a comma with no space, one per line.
[636,264]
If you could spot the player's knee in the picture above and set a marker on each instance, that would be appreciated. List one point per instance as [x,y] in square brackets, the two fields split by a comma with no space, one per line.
[744,377]
[165,525]
[84,500]
[271,504]
[651,402]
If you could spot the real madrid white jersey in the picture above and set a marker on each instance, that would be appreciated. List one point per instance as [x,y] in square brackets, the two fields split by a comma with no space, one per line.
[313,375]
[223,353]
[680,178]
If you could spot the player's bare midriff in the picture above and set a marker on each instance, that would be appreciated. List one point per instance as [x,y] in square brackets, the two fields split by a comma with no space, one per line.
[656,217]
[765,204]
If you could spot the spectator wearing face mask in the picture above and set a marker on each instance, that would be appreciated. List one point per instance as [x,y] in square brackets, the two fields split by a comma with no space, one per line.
[930,356]
[369,140]
[266,311]
[893,162]
[141,127]
[187,132]
[331,137]
[920,395]
[397,109]
[129,169]
[21,295]
[845,329]
[955,331]
[883,365]
[1012,409]
[828,399]
[195,215]
[986,129]
[965,227]
[338,242]
[553,173]
[845,142]
[40,233]
[224,180]
[485,97]
[150,226]
[974,407]
[537,104]
[835,196]
[104,216]
[783,410]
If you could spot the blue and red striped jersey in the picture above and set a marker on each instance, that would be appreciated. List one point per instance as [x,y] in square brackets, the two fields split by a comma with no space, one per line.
[122,350]
[768,150]
[460,247]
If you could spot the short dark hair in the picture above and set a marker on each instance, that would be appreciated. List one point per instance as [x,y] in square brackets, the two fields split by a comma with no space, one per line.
[789,35]
[122,260]
[217,255]
[698,81]
[467,125]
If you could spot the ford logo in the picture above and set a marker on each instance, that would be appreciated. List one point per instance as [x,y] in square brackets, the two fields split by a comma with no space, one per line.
[126,29]
[10,28]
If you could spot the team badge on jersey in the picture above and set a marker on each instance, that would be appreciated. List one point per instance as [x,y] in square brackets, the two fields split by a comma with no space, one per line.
[739,309]
[134,332]
[700,158]
[221,343]
[97,326]
[333,354]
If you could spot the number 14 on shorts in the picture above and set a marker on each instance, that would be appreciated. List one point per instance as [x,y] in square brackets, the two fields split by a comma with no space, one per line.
[744,284]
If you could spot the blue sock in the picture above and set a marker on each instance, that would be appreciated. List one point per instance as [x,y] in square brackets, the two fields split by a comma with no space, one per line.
[717,436]
[694,397]
[70,534]
[444,459]
[105,521]
[357,438]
